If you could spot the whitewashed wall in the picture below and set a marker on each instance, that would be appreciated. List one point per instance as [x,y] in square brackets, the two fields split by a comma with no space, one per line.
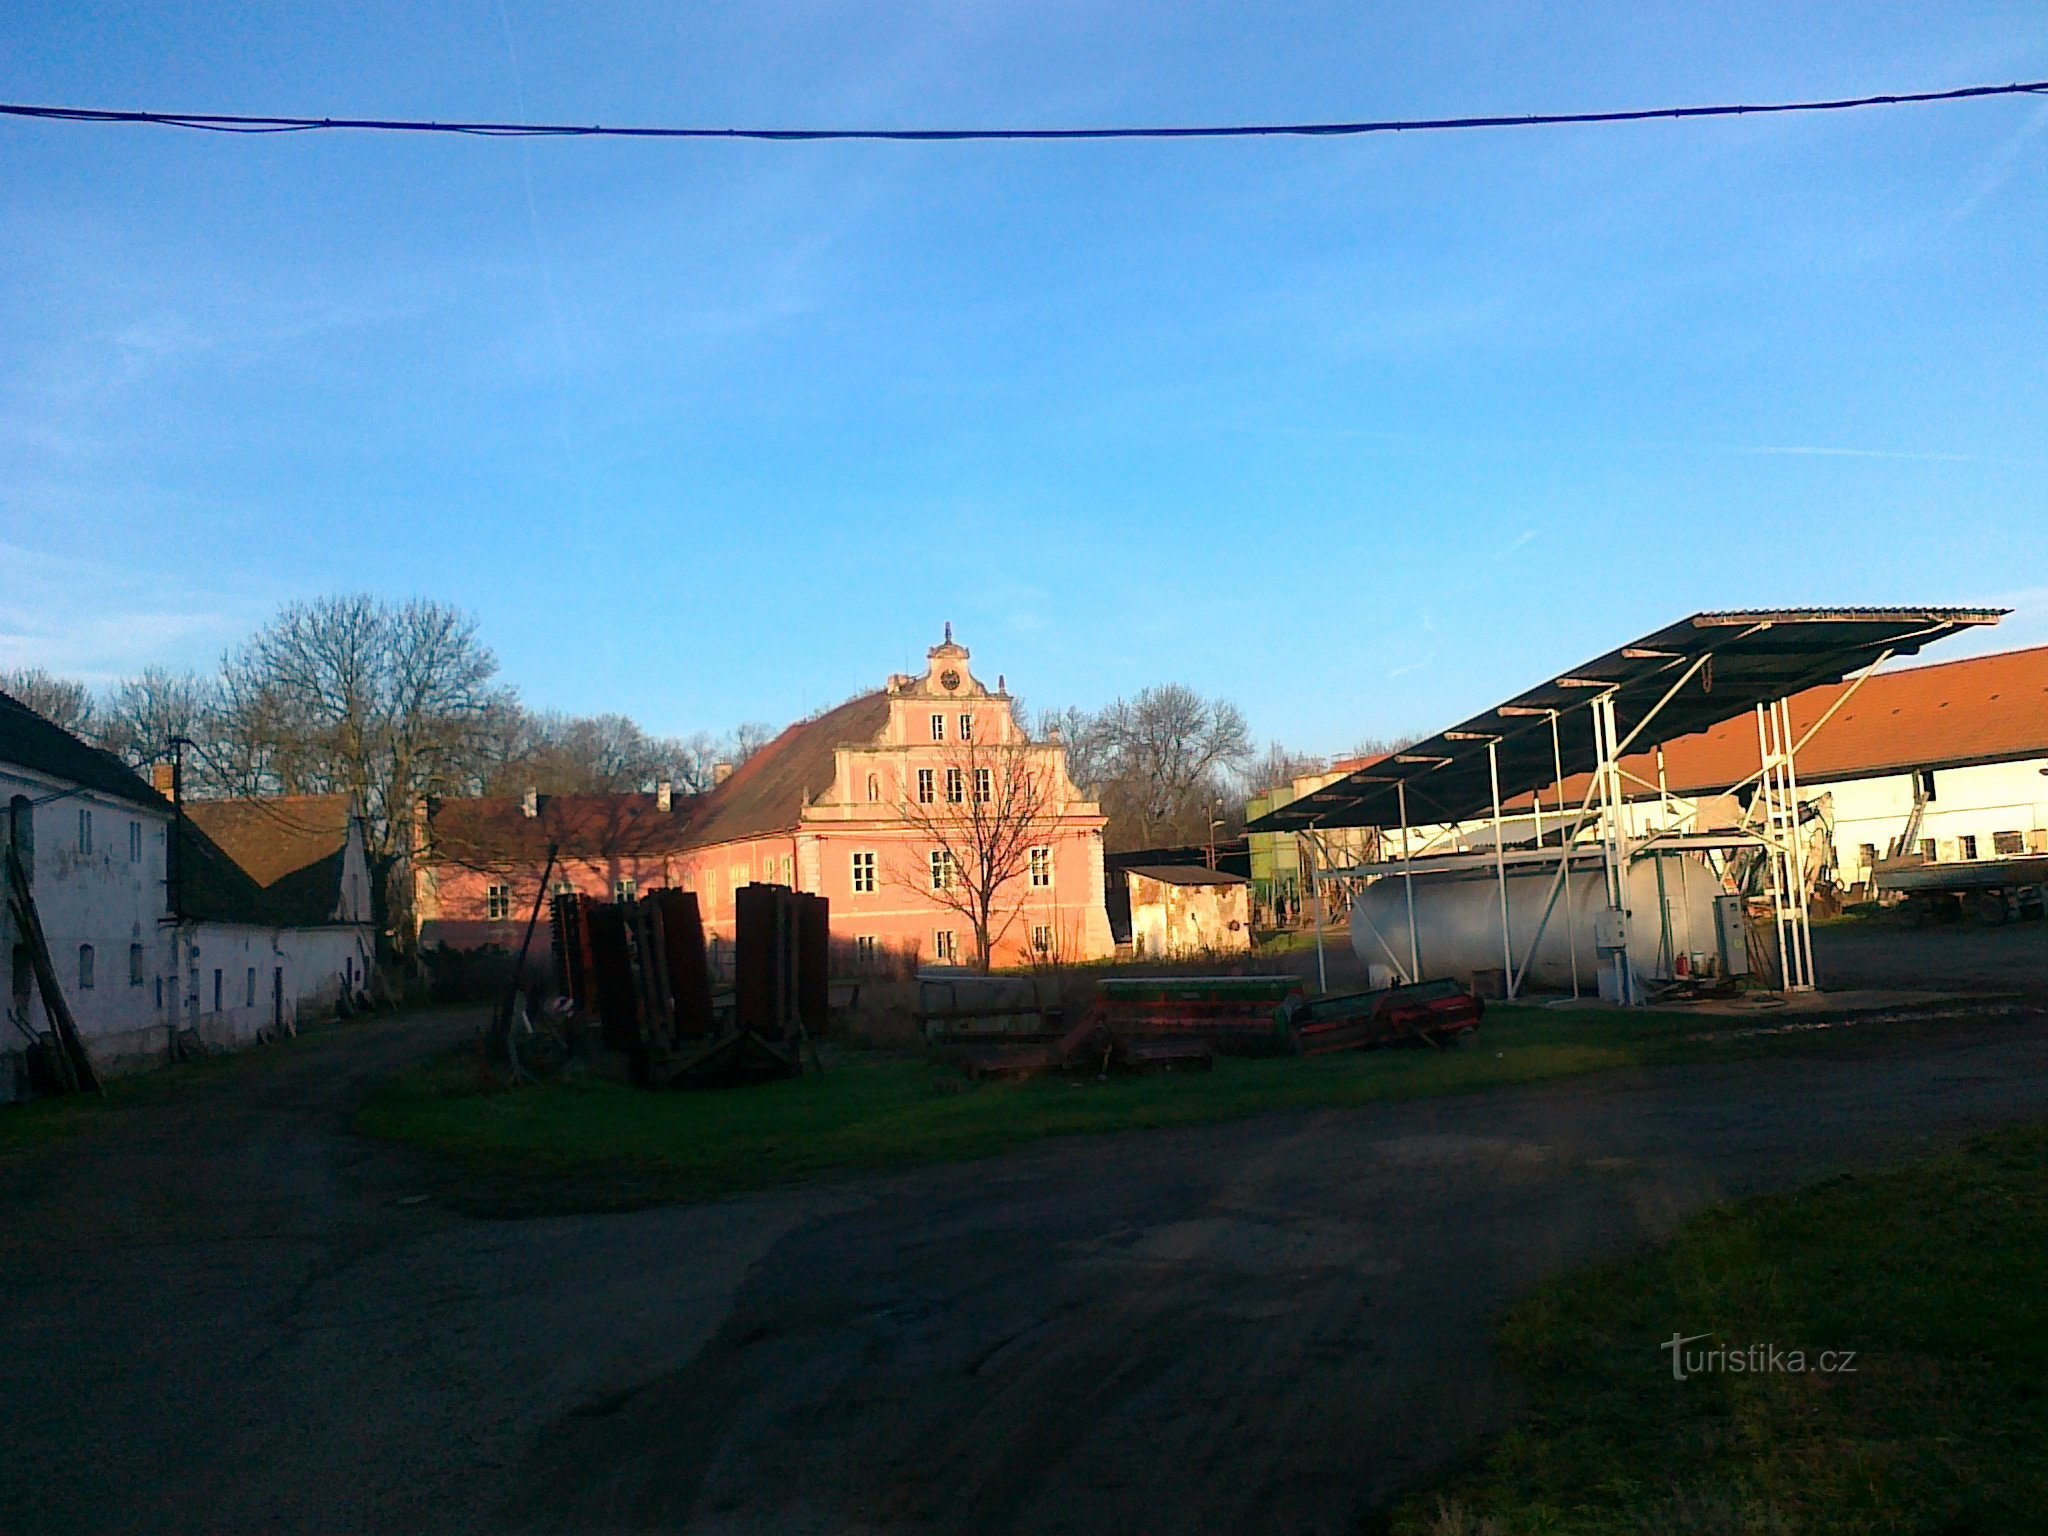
[232,970]
[1977,802]
[112,898]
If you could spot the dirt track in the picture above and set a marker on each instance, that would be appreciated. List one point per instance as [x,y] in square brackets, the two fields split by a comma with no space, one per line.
[224,1313]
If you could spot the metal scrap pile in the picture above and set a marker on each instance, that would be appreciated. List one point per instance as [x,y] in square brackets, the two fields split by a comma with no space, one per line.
[638,967]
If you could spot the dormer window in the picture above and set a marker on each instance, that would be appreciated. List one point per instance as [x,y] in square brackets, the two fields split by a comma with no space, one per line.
[938,727]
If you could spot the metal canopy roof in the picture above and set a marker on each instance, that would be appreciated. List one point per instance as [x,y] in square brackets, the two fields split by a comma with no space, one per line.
[1750,658]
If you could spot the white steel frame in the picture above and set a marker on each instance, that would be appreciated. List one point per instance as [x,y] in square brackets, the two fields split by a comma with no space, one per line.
[1604,813]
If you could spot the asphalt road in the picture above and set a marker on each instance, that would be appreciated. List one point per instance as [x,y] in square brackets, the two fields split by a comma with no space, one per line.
[224,1313]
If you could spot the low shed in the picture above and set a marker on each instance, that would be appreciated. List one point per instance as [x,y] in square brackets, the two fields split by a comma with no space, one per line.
[1182,910]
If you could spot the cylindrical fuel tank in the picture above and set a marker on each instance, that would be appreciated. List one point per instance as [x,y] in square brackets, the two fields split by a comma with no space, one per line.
[1457,919]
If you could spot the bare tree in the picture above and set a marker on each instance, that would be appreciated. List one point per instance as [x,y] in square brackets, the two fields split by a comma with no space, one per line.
[750,737]
[62,701]
[387,704]
[1159,763]
[143,715]
[992,803]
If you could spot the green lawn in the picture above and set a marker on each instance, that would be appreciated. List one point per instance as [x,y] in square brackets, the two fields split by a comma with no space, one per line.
[1932,1275]
[599,1144]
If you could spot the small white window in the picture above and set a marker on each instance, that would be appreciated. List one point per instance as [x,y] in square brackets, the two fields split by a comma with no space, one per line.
[924,786]
[967,727]
[1968,846]
[956,786]
[134,842]
[945,873]
[1041,868]
[938,727]
[867,949]
[497,901]
[984,786]
[1041,938]
[624,887]
[85,831]
[136,965]
[863,874]
[84,965]
[249,995]
[945,946]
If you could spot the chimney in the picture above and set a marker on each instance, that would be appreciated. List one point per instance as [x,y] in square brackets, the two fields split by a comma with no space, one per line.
[160,775]
[664,796]
[720,772]
[530,806]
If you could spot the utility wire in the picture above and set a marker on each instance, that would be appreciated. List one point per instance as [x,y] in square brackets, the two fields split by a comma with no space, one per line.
[217,122]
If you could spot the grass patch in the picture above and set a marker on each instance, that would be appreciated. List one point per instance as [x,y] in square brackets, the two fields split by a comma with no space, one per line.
[1931,1275]
[600,1145]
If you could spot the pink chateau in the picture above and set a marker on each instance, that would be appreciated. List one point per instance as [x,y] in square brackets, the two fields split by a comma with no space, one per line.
[877,805]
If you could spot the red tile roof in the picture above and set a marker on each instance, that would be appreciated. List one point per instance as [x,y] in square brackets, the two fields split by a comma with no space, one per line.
[276,836]
[1986,709]
[493,832]
[767,792]
[276,861]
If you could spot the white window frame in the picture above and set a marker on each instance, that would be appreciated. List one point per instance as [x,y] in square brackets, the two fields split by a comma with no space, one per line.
[927,787]
[967,727]
[867,951]
[938,727]
[956,786]
[1041,867]
[984,786]
[1041,938]
[945,869]
[946,946]
[497,901]
[625,888]
[865,872]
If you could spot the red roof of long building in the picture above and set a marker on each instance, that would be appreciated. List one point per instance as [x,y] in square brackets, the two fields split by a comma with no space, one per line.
[1986,709]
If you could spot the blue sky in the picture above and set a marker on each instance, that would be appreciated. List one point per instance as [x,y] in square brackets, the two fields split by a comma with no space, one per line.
[1362,434]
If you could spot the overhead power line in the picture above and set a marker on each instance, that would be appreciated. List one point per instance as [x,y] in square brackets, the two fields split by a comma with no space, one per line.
[219,122]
